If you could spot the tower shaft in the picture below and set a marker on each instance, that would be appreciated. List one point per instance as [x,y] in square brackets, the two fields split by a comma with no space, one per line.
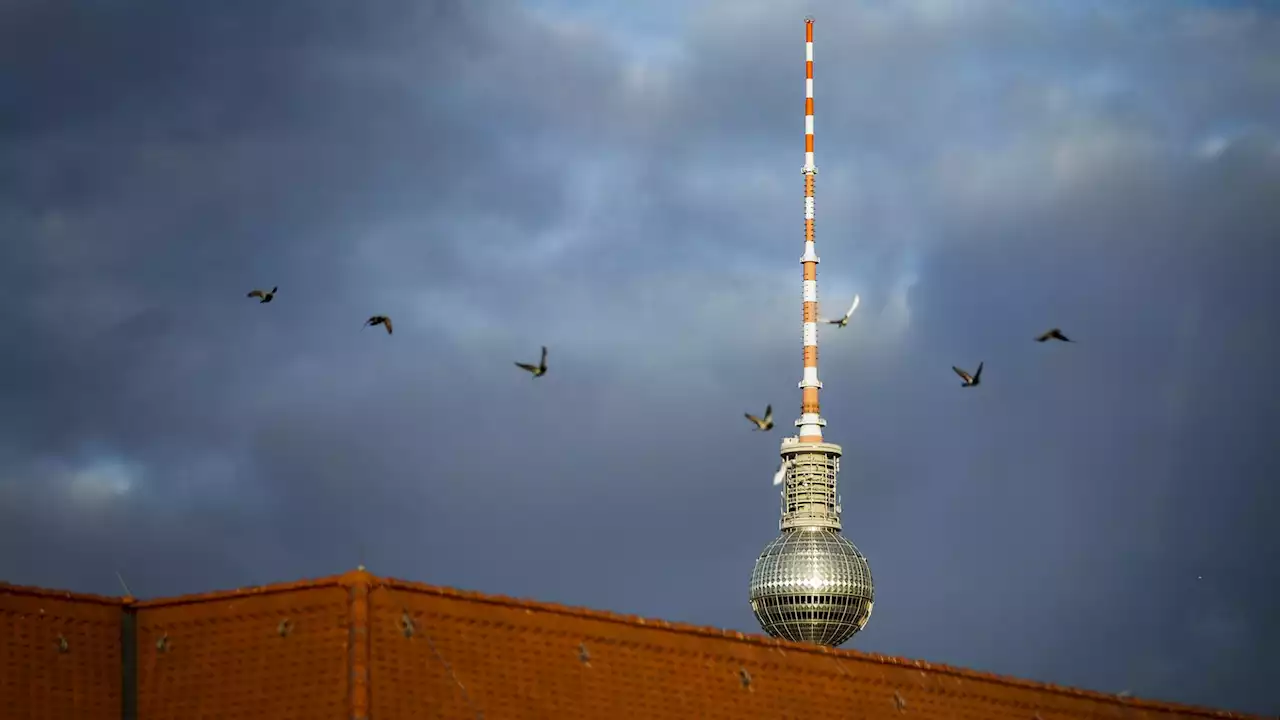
[810,422]
[809,494]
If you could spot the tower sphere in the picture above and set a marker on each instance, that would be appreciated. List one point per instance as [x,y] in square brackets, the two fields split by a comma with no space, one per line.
[811,584]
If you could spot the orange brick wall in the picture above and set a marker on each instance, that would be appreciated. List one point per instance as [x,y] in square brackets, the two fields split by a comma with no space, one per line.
[356,647]
[42,678]
[467,656]
[274,654]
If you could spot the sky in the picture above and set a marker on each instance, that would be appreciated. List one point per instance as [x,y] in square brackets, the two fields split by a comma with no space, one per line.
[622,184]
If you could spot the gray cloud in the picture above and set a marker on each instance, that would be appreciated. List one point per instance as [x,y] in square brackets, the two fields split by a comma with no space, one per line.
[496,179]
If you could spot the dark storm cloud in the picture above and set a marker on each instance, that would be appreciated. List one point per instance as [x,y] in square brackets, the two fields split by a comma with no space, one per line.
[496,180]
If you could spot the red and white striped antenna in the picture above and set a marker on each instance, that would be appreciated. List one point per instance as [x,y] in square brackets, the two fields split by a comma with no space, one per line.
[810,422]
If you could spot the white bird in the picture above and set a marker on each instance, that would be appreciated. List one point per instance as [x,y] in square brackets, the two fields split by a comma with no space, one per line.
[845,320]
[781,474]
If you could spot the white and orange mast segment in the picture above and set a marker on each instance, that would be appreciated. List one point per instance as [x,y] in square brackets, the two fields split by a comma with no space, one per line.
[810,422]
[809,496]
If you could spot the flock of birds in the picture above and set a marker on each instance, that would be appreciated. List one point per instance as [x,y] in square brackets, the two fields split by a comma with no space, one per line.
[975,379]
[764,423]
[266,296]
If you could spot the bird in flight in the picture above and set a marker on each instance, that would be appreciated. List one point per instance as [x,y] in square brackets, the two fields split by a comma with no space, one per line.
[781,474]
[765,423]
[1054,334]
[845,320]
[538,370]
[382,320]
[969,380]
[264,296]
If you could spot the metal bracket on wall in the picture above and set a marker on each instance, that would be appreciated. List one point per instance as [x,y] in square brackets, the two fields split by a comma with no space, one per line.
[62,644]
[745,677]
[406,624]
[163,643]
[285,627]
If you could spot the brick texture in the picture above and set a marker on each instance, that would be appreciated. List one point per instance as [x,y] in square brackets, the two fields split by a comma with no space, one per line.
[448,654]
[359,647]
[59,655]
[278,653]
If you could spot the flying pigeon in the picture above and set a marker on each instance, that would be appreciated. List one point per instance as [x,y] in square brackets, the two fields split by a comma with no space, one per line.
[845,320]
[781,474]
[1054,334]
[264,295]
[538,370]
[969,380]
[382,320]
[763,424]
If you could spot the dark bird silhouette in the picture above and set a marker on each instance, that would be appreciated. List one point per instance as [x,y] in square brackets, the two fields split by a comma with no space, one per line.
[765,423]
[1054,334]
[382,320]
[263,295]
[969,380]
[538,370]
[845,320]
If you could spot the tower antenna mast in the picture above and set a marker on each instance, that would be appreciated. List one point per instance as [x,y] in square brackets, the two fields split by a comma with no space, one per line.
[810,422]
[811,584]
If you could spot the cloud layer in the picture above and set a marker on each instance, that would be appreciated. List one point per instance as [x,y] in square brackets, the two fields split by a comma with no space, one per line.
[498,176]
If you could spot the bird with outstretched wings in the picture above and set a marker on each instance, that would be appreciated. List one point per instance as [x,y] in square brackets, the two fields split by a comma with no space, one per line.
[538,370]
[382,320]
[765,423]
[845,320]
[969,380]
[264,296]
[1054,334]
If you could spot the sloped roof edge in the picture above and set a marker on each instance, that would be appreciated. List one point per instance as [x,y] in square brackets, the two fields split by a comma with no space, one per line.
[32,591]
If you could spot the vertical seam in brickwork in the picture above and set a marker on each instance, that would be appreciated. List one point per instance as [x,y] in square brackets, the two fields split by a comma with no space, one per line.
[358,666]
[128,663]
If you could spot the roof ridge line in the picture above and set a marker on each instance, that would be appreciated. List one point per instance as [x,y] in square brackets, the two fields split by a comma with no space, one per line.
[56,594]
[835,653]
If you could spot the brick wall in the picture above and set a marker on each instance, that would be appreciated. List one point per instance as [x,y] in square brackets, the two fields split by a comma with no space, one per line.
[357,647]
[59,655]
[443,653]
[271,654]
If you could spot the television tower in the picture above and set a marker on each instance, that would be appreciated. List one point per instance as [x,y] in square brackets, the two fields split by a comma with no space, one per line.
[811,584]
